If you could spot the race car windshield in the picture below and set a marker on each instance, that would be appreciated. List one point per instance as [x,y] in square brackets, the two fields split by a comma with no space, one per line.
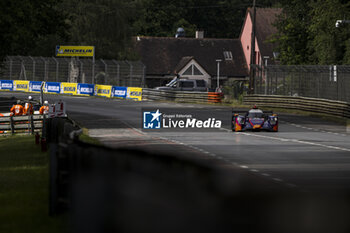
[255,115]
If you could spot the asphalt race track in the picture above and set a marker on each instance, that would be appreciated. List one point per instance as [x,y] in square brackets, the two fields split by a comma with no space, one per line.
[308,156]
[307,153]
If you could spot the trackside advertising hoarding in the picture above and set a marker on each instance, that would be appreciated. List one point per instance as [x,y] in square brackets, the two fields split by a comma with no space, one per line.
[119,92]
[35,86]
[6,85]
[21,85]
[52,87]
[134,93]
[69,88]
[74,51]
[103,90]
[85,89]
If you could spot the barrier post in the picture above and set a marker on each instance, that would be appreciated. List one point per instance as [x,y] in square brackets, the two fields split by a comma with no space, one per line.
[32,124]
[12,125]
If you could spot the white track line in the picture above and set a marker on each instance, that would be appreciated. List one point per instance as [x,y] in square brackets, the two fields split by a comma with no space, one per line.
[296,141]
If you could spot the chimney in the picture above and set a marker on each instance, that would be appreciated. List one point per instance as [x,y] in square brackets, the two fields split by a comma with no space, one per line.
[199,34]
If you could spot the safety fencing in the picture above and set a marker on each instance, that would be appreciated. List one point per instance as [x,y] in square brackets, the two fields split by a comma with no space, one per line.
[314,81]
[80,89]
[74,70]
[21,124]
[330,107]
[182,96]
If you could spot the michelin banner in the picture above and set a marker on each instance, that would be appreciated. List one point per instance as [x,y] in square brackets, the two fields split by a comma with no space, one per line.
[103,90]
[35,86]
[134,93]
[52,87]
[85,89]
[21,85]
[6,85]
[69,88]
[119,92]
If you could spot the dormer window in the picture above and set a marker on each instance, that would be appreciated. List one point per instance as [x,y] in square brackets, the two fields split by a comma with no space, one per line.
[228,55]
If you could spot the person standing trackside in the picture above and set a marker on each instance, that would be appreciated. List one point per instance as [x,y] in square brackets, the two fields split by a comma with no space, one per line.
[28,107]
[17,110]
[45,108]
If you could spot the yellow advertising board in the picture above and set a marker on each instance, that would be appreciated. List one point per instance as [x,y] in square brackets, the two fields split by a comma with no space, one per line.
[134,93]
[103,90]
[74,51]
[21,85]
[69,88]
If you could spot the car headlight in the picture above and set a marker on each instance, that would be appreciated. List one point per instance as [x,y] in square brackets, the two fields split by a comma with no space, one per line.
[273,120]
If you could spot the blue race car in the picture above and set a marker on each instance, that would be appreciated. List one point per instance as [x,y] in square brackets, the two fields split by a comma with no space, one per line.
[254,119]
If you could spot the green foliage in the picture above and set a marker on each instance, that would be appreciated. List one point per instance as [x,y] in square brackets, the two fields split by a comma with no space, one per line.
[26,24]
[292,37]
[328,42]
[307,32]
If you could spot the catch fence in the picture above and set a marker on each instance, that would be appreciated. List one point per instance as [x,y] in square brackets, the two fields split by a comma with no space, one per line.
[74,70]
[324,82]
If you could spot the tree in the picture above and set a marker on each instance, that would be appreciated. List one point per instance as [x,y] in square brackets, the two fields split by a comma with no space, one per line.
[103,24]
[292,37]
[327,43]
[24,24]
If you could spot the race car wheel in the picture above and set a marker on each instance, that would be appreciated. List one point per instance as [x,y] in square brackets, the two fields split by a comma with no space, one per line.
[233,124]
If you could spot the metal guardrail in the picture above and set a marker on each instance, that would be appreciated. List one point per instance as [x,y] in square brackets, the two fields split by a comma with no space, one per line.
[330,107]
[20,124]
[181,96]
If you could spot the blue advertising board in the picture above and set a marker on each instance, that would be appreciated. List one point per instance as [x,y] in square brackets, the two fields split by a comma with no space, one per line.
[35,86]
[85,89]
[119,92]
[6,85]
[52,87]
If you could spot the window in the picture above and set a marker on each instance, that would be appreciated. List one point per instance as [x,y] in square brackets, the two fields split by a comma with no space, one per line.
[196,71]
[188,71]
[192,70]
[228,55]
[201,83]
[187,84]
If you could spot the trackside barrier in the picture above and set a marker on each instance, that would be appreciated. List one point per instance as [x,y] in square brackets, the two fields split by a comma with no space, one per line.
[52,87]
[20,124]
[215,97]
[6,85]
[81,89]
[85,89]
[35,86]
[21,85]
[182,96]
[128,190]
[134,93]
[330,107]
[119,92]
[103,90]
[69,88]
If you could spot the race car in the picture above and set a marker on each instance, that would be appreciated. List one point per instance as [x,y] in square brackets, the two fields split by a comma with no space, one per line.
[254,119]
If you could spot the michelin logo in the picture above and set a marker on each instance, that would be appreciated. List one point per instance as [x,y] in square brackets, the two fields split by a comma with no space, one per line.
[152,120]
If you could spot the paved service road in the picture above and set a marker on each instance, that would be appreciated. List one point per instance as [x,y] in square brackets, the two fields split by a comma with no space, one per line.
[307,153]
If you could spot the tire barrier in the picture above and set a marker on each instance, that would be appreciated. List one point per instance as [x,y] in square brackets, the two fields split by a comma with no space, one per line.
[182,96]
[324,106]
[215,97]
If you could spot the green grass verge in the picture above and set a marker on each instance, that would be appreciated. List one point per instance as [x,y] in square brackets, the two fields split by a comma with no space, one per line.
[84,137]
[24,182]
